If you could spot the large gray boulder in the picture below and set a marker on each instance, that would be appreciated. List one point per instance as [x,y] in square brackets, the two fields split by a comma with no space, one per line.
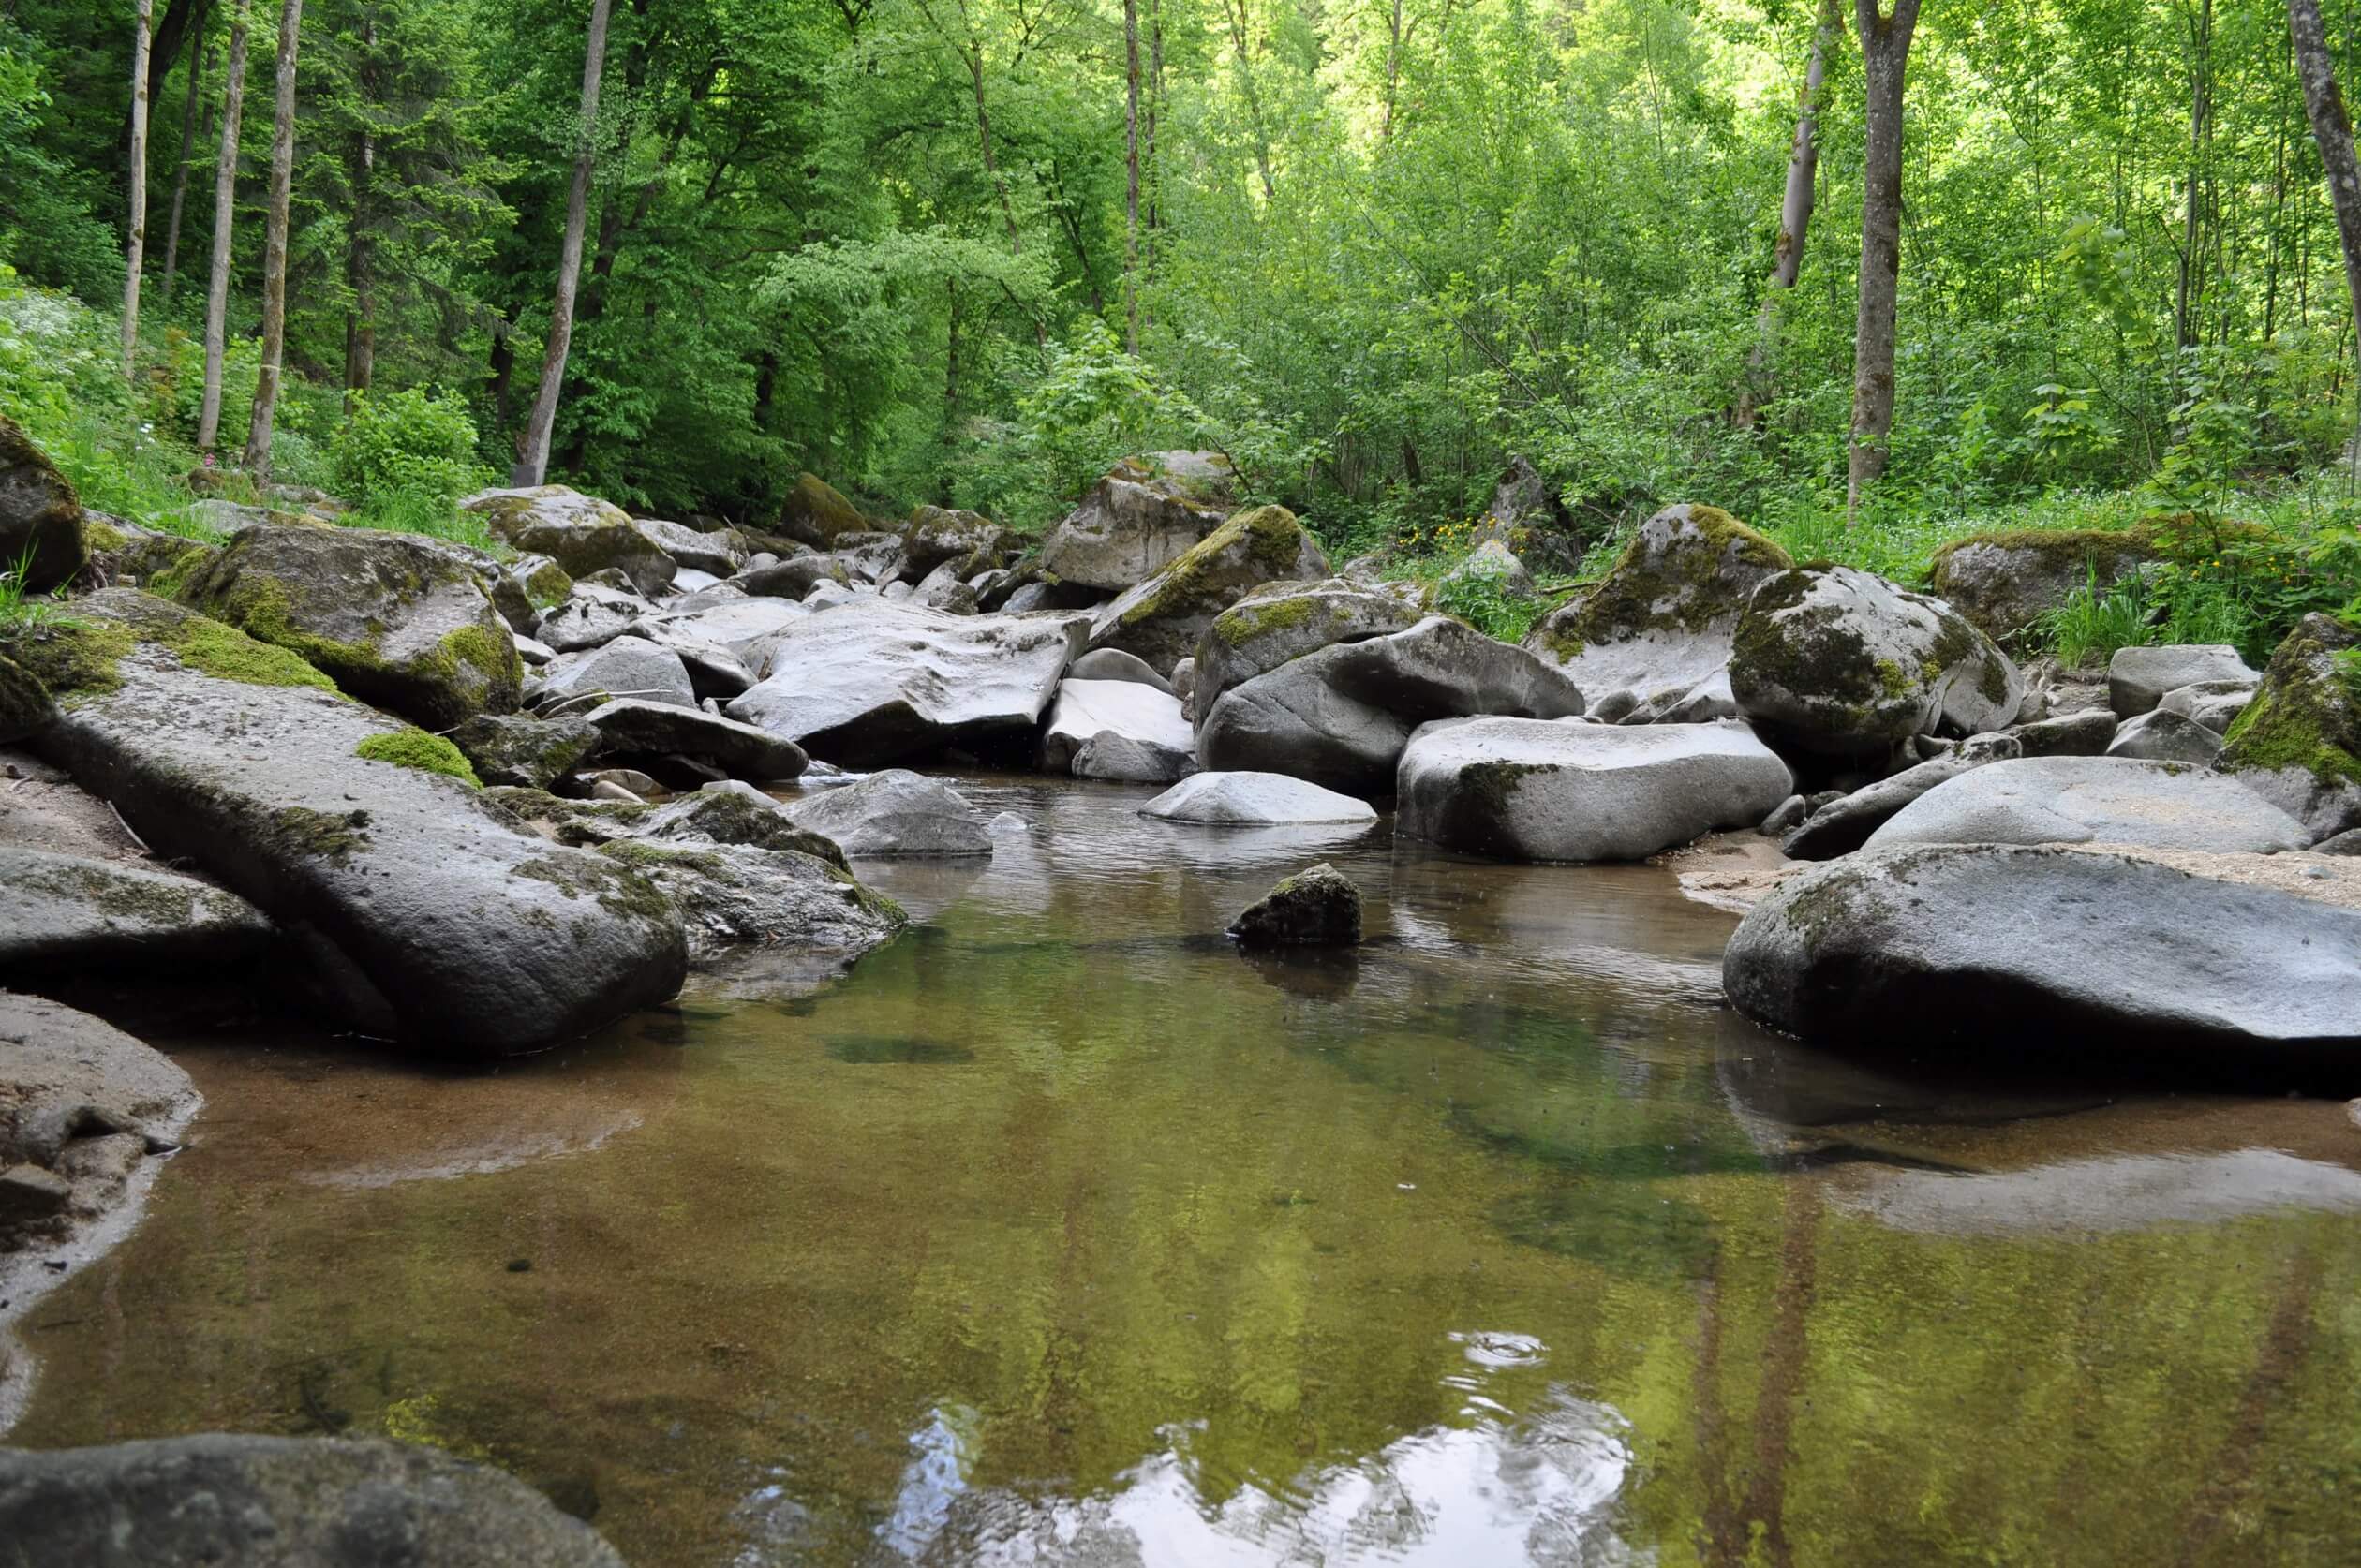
[2215,704]
[429,917]
[2094,800]
[591,615]
[40,516]
[1144,514]
[397,620]
[1661,621]
[1969,949]
[630,727]
[734,624]
[2138,678]
[2298,743]
[720,552]
[815,514]
[1283,621]
[1162,619]
[217,1498]
[510,748]
[1112,664]
[1524,789]
[1340,717]
[939,536]
[1118,729]
[631,668]
[871,682]
[1844,825]
[2006,581]
[1255,800]
[581,533]
[1843,663]
[2159,737]
[62,912]
[896,812]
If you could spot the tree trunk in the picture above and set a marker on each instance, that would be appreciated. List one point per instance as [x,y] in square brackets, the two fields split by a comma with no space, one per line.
[135,250]
[360,239]
[225,213]
[2189,284]
[1393,71]
[1795,208]
[1131,176]
[532,457]
[180,172]
[1234,11]
[2316,69]
[1885,52]
[266,380]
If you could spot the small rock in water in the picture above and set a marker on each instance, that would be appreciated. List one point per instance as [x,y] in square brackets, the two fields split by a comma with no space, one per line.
[1317,908]
[520,1265]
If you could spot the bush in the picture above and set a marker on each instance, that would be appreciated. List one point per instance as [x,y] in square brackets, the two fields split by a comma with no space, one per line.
[404,443]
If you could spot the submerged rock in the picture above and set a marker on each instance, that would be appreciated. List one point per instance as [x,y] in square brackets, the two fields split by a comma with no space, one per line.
[1162,619]
[736,894]
[1530,790]
[1118,729]
[1319,907]
[2094,800]
[581,533]
[61,912]
[1964,949]
[2298,744]
[281,1503]
[427,916]
[1143,515]
[1255,800]
[895,813]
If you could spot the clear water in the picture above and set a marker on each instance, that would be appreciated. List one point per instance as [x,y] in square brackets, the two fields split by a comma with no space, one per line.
[1061,1233]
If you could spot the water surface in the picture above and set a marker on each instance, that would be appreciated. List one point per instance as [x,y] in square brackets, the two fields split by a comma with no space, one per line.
[1059,1231]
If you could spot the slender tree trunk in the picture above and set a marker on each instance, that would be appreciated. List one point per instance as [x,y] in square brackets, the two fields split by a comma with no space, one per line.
[1393,71]
[360,241]
[137,247]
[1795,208]
[225,213]
[180,174]
[1234,11]
[2191,283]
[532,458]
[1131,176]
[2315,67]
[1885,52]
[266,380]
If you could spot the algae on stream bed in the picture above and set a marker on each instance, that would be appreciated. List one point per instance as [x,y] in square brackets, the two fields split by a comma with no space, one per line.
[1060,1232]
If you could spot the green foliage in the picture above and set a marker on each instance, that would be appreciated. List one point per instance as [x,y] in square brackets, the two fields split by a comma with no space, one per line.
[18,608]
[408,443]
[2097,620]
[407,512]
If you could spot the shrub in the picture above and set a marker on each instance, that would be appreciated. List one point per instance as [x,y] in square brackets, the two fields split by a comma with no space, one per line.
[407,442]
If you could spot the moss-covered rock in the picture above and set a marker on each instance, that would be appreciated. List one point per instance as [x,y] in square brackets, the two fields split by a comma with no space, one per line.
[1141,515]
[2006,579]
[1318,907]
[1162,619]
[581,533]
[814,514]
[2298,743]
[397,620]
[1842,662]
[40,516]
[535,753]
[1661,620]
[934,535]
[1283,621]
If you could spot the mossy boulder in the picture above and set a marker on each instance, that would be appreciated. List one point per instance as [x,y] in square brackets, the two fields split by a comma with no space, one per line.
[1843,663]
[122,554]
[2298,743]
[581,533]
[511,750]
[40,516]
[1142,515]
[1660,622]
[1283,621]
[527,587]
[1162,619]
[936,535]
[412,747]
[1318,907]
[397,620]
[2006,579]
[814,514]
[24,701]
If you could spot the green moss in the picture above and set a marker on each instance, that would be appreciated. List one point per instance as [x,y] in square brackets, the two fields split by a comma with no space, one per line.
[1252,547]
[1704,571]
[228,653]
[2307,713]
[104,536]
[610,886]
[547,585]
[71,660]
[332,837]
[416,748]
[1242,624]
[869,899]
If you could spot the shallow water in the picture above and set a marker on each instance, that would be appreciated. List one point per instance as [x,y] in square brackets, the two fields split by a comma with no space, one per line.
[1059,1231]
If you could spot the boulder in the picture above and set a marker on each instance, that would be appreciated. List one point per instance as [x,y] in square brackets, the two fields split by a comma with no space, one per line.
[522,589]
[2298,743]
[814,515]
[64,912]
[792,578]
[720,553]
[280,1502]
[1491,566]
[429,916]
[1844,825]
[507,748]
[1143,515]
[1708,699]
[2087,733]
[1965,950]
[1341,716]
[125,555]
[1523,788]
[590,617]
[393,619]
[2094,800]
[634,727]
[1113,664]
[735,623]
[1527,516]
[1120,730]
[2215,704]
[1843,663]
[715,672]
[40,516]
[870,682]
[1255,800]
[936,536]
[2138,678]
[581,533]
[629,667]
[1283,621]
[744,876]
[2157,736]
[65,1075]
[1319,907]
[1162,619]
[2006,581]
[1661,621]
[895,813]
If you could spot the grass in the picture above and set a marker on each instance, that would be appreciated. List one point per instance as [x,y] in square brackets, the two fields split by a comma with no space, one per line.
[435,516]
[2094,622]
[18,608]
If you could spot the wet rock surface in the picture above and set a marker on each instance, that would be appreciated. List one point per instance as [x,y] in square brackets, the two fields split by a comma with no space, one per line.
[2093,800]
[1319,907]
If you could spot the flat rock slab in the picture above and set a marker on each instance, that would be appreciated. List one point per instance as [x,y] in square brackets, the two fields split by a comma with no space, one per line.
[428,916]
[1535,790]
[281,1503]
[2094,800]
[1974,948]
[1093,722]
[869,681]
[896,812]
[1255,800]
[60,911]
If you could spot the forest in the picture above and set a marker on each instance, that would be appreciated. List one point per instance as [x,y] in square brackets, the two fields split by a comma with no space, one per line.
[971,252]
